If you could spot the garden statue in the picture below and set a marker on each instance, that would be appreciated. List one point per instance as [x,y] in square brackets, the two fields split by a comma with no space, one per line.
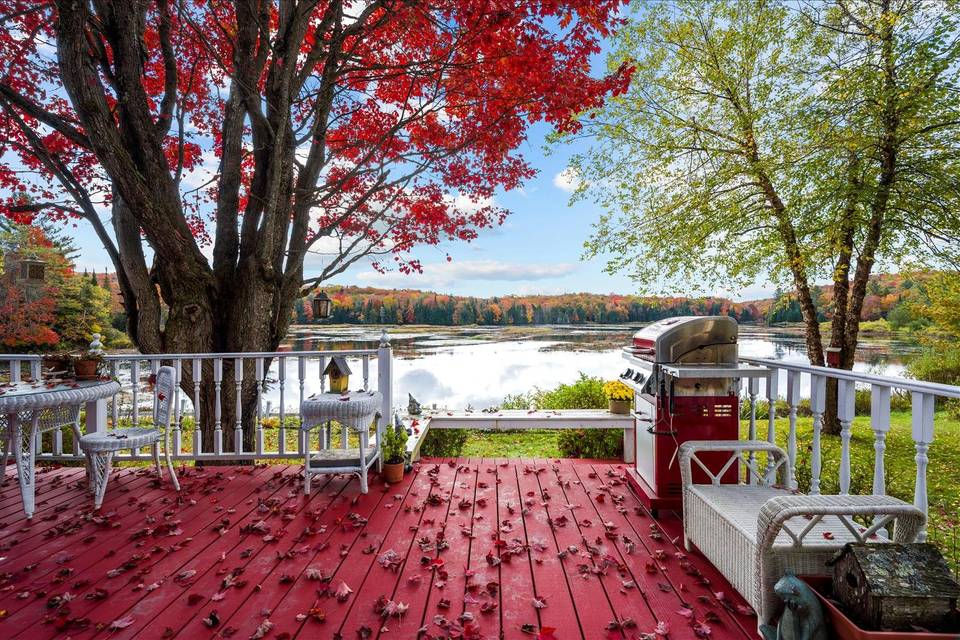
[413,407]
[802,617]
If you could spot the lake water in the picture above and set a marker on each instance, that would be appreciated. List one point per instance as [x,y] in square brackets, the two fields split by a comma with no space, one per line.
[460,367]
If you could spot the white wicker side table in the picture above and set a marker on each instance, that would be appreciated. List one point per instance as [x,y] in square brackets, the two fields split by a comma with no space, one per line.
[28,409]
[354,410]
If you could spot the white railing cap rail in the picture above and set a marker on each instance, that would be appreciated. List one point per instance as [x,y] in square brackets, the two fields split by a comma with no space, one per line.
[187,356]
[919,386]
[242,354]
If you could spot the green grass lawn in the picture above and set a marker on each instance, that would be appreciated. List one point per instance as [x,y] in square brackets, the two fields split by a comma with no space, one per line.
[532,443]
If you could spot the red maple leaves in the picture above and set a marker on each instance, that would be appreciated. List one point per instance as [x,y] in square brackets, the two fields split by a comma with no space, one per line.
[404,121]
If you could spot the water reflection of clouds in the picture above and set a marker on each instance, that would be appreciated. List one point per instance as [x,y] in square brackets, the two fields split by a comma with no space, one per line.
[477,368]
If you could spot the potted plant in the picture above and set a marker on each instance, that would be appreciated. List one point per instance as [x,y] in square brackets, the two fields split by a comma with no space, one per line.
[619,396]
[393,450]
[86,365]
[57,364]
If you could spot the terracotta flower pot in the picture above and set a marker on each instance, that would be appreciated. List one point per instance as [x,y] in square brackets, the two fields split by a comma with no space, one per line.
[621,407]
[393,473]
[86,369]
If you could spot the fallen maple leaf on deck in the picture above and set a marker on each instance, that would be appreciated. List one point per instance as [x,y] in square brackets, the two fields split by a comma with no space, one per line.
[121,623]
[343,592]
[262,630]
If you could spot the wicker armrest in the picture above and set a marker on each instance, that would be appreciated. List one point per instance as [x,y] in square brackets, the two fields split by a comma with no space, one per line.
[689,450]
[777,511]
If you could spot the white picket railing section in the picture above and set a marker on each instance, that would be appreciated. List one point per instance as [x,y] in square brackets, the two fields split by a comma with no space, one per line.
[923,395]
[281,379]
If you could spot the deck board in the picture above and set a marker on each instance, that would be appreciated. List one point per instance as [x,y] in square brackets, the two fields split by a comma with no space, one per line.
[476,505]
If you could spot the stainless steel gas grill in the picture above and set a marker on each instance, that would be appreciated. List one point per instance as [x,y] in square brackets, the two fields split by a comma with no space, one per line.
[686,382]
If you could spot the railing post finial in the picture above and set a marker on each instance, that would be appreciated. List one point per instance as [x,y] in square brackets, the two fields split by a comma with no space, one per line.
[96,346]
[384,339]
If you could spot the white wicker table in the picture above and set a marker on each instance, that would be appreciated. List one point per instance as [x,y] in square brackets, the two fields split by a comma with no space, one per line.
[354,410]
[44,407]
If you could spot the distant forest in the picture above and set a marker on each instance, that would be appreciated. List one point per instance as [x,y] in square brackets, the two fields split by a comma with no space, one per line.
[365,305]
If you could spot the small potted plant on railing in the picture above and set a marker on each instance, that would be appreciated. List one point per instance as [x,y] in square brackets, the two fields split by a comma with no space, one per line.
[394,452]
[619,396]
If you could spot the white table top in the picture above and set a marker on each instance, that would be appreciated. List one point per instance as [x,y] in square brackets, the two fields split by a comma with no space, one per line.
[354,408]
[25,396]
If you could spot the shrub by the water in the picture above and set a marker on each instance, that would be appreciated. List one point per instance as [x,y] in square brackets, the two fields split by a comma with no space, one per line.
[444,443]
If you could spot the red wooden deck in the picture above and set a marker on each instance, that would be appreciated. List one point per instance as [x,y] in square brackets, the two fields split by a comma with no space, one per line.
[550,549]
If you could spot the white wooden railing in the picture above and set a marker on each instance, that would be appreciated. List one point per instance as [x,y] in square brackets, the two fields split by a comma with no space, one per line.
[812,381]
[281,379]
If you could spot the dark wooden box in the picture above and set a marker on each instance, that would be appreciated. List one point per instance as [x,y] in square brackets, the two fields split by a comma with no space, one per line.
[898,587]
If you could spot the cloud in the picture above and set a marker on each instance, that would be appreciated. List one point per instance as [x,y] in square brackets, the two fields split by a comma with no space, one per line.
[567,180]
[466,204]
[443,274]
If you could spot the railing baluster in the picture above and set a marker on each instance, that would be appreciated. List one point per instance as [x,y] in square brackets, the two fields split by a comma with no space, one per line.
[238,427]
[217,411]
[177,409]
[114,401]
[846,408]
[922,422]
[197,365]
[753,389]
[35,370]
[259,382]
[323,379]
[818,402]
[302,378]
[772,379]
[135,390]
[282,381]
[154,368]
[15,371]
[880,423]
[57,441]
[384,385]
[793,401]
[366,372]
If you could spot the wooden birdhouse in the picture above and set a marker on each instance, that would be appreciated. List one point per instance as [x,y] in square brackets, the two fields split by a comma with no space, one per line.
[896,587]
[338,375]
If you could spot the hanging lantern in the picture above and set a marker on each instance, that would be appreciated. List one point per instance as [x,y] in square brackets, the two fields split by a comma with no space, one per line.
[322,306]
[25,269]
[32,270]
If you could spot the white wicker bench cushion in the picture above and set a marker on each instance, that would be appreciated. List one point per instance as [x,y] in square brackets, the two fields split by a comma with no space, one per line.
[740,505]
[119,439]
[336,458]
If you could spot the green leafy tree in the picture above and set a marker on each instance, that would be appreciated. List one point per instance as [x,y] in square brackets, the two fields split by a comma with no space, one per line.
[940,359]
[764,139]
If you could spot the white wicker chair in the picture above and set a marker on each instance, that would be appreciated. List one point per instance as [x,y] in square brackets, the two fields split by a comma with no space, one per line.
[100,447]
[754,532]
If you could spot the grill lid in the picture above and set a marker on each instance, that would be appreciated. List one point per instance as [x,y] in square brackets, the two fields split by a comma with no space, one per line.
[701,339]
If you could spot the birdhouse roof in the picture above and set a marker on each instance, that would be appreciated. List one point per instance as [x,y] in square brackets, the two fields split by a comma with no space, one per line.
[904,570]
[339,365]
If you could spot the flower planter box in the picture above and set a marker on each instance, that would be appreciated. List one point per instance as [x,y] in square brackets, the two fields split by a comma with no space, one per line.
[843,627]
[620,407]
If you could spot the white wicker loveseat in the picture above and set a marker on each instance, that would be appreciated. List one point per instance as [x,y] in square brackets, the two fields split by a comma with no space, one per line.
[756,530]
